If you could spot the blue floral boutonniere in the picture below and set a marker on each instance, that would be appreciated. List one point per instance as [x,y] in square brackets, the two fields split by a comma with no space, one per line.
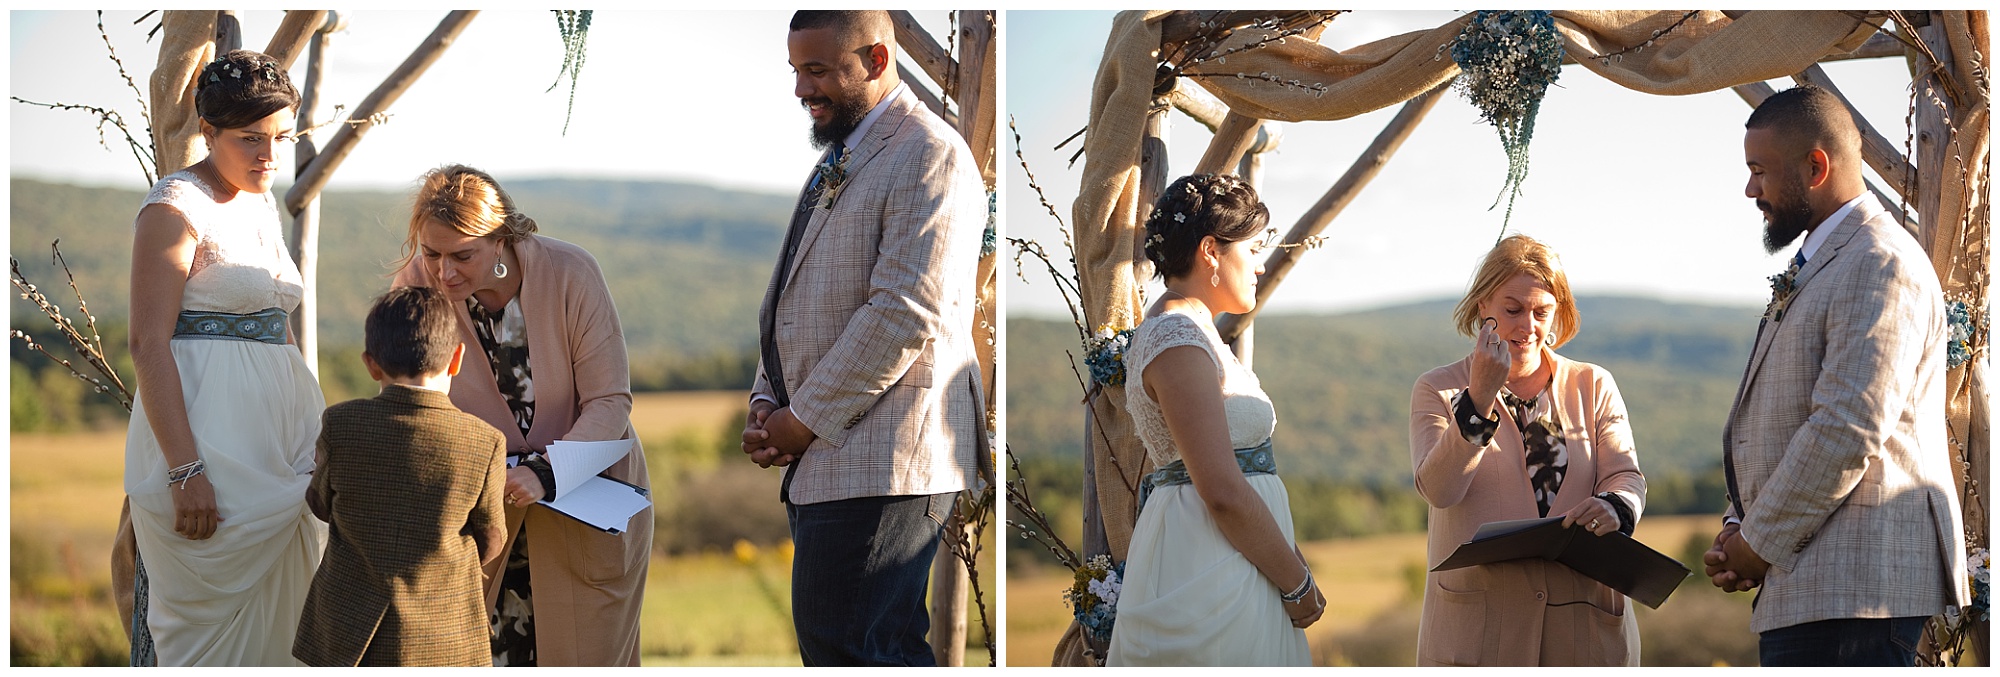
[832,178]
[1783,287]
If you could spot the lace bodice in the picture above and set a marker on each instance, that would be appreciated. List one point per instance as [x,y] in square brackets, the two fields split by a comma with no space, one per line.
[1250,414]
[240,264]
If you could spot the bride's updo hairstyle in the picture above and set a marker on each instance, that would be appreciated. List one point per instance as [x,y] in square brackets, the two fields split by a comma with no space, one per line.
[241,88]
[469,201]
[1203,205]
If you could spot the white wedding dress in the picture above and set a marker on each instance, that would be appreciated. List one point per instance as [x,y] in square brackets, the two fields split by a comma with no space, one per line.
[254,408]
[1190,598]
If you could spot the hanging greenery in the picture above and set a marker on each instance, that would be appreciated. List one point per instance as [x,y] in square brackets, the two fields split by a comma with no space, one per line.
[1507,61]
[574,25]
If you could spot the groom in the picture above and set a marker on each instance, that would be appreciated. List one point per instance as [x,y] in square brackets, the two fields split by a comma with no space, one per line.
[1842,504]
[867,389]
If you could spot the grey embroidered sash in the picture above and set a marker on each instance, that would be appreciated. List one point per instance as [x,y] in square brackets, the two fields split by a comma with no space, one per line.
[269,325]
[1256,460]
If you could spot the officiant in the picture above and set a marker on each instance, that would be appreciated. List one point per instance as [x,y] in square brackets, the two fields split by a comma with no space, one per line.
[545,361]
[1515,431]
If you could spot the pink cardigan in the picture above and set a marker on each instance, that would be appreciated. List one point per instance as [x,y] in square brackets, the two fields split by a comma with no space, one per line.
[587,583]
[1508,613]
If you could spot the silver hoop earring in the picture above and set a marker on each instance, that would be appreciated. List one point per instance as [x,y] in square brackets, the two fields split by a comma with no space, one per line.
[1215,278]
[499,269]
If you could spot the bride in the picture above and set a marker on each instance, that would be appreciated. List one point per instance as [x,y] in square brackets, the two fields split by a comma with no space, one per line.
[1212,577]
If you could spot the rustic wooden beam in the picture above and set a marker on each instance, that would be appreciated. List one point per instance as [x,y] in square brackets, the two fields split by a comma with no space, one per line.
[1153,180]
[228,32]
[925,95]
[305,223]
[1198,104]
[298,26]
[949,584]
[921,47]
[1876,149]
[1231,141]
[1755,93]
[1878,46]
[1330,205]
[974,81]
[309,184]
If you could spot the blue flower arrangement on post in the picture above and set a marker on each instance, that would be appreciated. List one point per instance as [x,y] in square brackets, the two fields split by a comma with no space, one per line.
[1104,351]
[1507,61]
[1094,596]
[1962,332]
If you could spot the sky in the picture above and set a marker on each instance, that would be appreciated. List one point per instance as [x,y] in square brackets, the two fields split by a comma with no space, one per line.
[1639,194]
[703,96]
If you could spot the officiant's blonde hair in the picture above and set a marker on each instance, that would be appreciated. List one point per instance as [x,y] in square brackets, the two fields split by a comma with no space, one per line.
[1512,256]
[469,201]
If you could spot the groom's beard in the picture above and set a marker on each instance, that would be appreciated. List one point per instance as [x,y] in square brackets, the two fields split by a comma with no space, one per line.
[847,116]
[1787,217]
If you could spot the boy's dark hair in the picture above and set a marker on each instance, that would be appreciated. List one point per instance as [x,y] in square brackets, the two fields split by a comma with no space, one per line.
[410,332]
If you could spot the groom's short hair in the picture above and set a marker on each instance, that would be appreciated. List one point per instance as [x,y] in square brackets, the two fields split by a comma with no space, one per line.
[411,332]
[854,27]
[1807,117]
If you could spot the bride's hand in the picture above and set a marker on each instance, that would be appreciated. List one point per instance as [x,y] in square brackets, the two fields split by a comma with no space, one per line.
[195,513]
[1305,612]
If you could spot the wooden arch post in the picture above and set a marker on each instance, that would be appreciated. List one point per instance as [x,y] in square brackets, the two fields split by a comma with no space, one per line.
[970,80]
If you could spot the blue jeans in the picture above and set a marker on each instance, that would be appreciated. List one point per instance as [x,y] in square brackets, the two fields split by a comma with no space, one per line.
[859,573]
[1844,642]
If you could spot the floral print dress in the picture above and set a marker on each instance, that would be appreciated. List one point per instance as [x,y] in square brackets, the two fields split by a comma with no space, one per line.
[503,335]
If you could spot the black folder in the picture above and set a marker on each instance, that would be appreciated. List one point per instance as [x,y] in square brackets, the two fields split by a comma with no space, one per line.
[1613,559]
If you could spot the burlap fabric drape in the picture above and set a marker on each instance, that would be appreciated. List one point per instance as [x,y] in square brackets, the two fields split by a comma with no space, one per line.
[1706,53]
[187,42]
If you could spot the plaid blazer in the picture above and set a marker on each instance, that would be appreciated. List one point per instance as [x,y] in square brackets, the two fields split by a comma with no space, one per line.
[411,487]
[874,324]
[1837,438]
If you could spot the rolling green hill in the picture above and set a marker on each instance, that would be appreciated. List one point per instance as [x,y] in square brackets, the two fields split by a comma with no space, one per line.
[1342,384]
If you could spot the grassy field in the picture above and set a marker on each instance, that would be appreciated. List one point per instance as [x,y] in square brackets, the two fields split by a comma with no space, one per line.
[714,607]
[1374,586]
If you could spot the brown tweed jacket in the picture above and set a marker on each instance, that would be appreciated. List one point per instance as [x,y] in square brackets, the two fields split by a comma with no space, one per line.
[1837,438]
[411,486]
[873,324]
[589,585]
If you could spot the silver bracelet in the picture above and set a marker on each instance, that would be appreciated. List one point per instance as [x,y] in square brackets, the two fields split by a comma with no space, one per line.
[1305,588]
[186,472]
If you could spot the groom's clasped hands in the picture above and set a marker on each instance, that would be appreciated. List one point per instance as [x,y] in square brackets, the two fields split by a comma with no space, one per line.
[773,435]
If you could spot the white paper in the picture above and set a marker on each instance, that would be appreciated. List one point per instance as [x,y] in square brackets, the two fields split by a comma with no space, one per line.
[603,503]
[575,463]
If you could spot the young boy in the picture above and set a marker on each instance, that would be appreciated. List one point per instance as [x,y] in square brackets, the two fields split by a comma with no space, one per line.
[412,489]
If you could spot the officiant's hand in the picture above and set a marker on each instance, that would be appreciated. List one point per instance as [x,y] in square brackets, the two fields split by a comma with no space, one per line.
[1595,515]
[523,487]
[1489,364]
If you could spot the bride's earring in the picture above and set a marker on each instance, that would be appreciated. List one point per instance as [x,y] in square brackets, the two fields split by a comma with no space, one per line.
[1215,278]
[499,269]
